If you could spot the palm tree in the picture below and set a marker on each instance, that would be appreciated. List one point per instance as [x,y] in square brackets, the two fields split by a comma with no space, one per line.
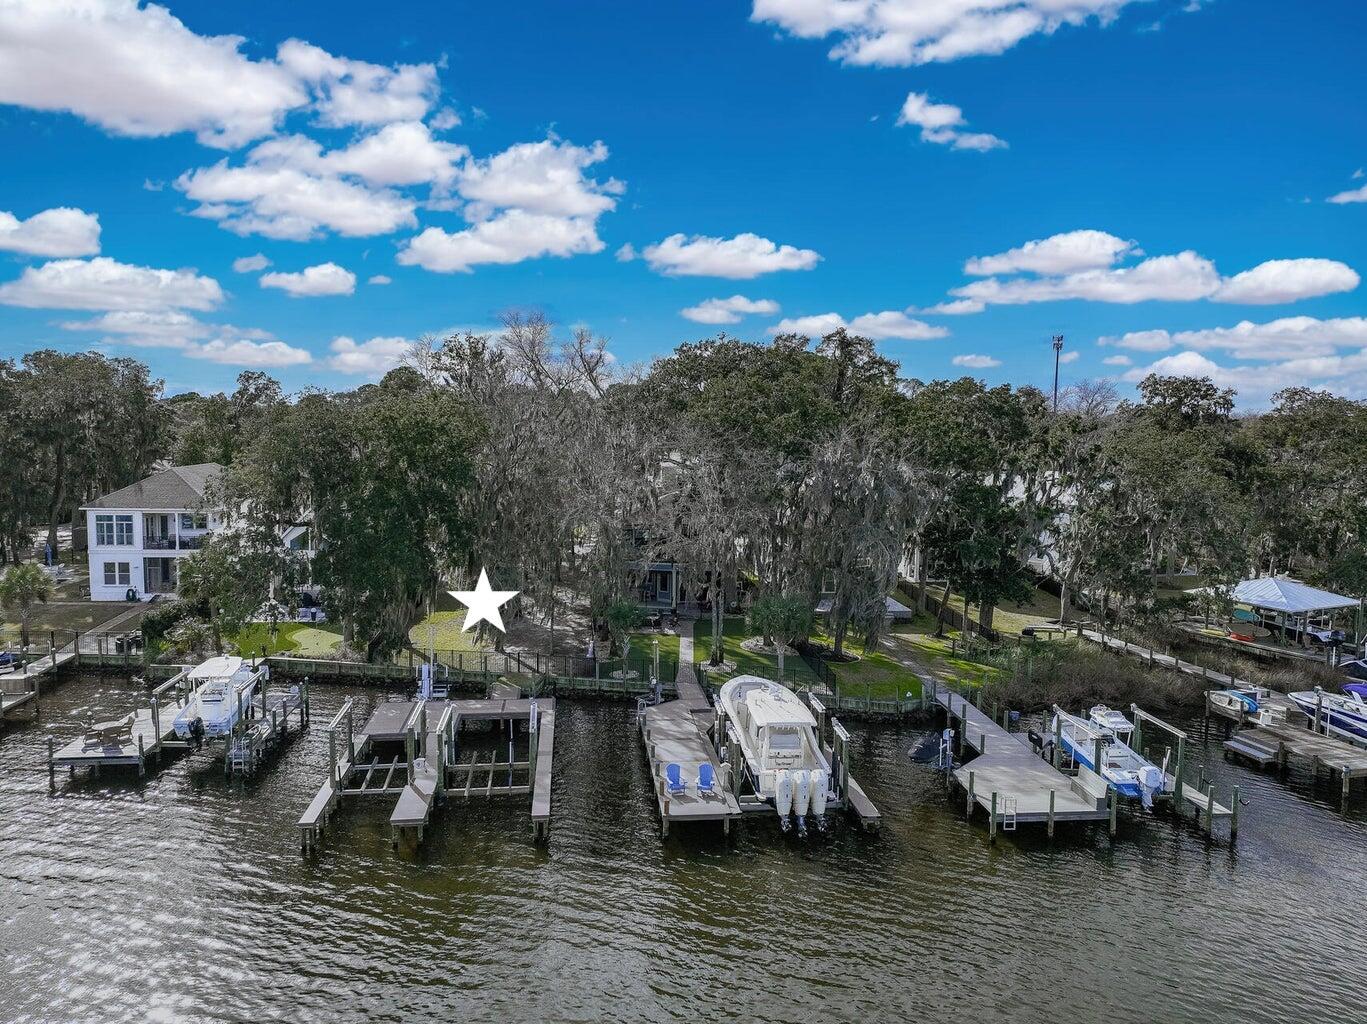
[21,588]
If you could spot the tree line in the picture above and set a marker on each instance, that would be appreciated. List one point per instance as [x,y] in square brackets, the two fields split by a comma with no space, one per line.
[792,469]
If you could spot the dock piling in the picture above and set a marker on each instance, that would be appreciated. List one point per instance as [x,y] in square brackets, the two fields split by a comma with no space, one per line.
[992,823]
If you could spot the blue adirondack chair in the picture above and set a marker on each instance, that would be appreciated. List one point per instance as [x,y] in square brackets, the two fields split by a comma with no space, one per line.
[674,782]
[707,778]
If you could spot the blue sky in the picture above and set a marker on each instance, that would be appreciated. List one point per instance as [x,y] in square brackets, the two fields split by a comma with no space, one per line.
[806,155]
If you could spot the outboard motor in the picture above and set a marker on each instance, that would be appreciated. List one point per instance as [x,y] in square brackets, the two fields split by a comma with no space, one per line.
[801,798]
[197,732]
[819,782]
[1150,782]
[783,797]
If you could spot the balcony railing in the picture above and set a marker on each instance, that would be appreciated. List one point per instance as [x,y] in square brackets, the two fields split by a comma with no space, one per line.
[159,543]
[193,543]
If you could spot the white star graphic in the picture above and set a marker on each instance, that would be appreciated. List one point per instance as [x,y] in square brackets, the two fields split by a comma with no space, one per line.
[483,603]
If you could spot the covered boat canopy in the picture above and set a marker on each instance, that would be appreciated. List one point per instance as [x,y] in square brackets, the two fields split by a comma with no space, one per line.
[1282,594]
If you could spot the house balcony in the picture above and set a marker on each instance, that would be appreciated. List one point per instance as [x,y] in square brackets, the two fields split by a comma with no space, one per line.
[159,543]
[193,542]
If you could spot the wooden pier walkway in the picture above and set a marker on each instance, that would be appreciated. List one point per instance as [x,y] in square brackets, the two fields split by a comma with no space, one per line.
[1010,781]
[675,732]
[1151,657]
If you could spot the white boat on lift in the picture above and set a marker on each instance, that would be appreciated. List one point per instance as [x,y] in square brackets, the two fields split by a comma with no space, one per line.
[221,689]
[776,733]
[1124,769]
[1343,715]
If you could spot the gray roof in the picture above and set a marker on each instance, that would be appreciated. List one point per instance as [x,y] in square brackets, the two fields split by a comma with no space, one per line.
[180,487]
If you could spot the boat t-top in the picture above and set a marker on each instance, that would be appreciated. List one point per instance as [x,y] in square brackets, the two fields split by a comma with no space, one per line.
[1338,714]
[1124,769]
[220,689]
[777,737]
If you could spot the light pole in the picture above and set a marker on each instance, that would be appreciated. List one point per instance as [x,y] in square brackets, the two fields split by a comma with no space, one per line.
[1058,349]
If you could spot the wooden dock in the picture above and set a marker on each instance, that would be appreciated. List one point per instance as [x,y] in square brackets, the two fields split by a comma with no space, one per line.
[1012,783]
[410,750]
[144,734]
[673,734]
[1275,745]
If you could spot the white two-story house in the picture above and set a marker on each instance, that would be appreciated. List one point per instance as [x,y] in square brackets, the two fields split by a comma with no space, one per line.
[138,534]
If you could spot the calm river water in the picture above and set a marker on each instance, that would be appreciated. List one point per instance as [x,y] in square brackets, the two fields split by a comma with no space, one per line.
[185,898]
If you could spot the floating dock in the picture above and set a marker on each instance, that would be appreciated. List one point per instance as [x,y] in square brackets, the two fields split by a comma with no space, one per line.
[410,750]
[1008,780]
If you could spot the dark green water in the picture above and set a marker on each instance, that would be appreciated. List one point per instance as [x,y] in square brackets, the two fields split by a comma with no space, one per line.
[185,898]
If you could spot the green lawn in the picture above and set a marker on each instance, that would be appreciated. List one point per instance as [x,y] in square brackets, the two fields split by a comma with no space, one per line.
[300,639]
[445,631]
[937,654]
[642,646]
[734,630]
[876,675]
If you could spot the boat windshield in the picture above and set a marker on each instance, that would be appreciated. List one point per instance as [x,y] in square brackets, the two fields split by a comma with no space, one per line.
[784,739]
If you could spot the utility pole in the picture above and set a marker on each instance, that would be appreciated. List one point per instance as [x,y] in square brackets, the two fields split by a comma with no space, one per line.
[1058,348]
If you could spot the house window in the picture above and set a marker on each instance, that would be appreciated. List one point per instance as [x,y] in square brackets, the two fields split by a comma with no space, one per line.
[114,531]
[194,521]
[116,574]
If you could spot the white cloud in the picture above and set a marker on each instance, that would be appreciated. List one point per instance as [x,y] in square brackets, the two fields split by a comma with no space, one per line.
[246,352]
[1278,281]
[1069,357]
[1117,360]
[403,153]
[1080,265]
[250,264]
[323,279]
[136,70]
[812,326]
[875,326]
[727,311]
[626,253]
[959,307]
[219,343]
[539,177]
[894,324]
[941,123]
[529,201]
[280,201]
[1065,253]
[739,258]
[381,279]
[1344,374]
[445,119]
[160,329]
[103,283]
[1288,338]
[510,237]
[973,361]
[1181,278]
[61,231]
[354,92]
[1352,195]
[896,33]
[373,358]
